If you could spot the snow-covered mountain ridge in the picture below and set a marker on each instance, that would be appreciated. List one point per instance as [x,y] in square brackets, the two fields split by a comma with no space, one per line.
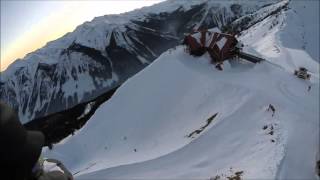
[142,131]
[101,54]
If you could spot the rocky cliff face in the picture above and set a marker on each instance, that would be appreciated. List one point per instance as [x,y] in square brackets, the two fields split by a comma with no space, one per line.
[101,54]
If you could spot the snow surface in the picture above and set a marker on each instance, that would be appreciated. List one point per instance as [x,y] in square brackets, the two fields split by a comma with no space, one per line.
[221,42]
[50,166]
[141,132]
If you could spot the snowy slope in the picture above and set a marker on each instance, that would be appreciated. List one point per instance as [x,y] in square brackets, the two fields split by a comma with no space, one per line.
[295,43]
[101,54]
[142,131]
[291,39]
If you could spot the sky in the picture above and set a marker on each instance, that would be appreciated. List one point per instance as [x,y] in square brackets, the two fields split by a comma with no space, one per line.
[27,25]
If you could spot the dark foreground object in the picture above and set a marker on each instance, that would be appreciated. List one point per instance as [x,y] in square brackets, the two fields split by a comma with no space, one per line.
[20,149]
[21,152]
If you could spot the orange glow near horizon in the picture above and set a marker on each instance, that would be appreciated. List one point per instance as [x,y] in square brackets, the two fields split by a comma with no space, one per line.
[35,38]
[60,22]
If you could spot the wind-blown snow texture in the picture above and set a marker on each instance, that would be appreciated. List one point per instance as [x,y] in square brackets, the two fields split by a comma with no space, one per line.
[101,54]
[141,132]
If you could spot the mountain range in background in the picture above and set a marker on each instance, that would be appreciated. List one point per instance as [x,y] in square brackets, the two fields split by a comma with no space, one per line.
[101,54]
[181,118]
